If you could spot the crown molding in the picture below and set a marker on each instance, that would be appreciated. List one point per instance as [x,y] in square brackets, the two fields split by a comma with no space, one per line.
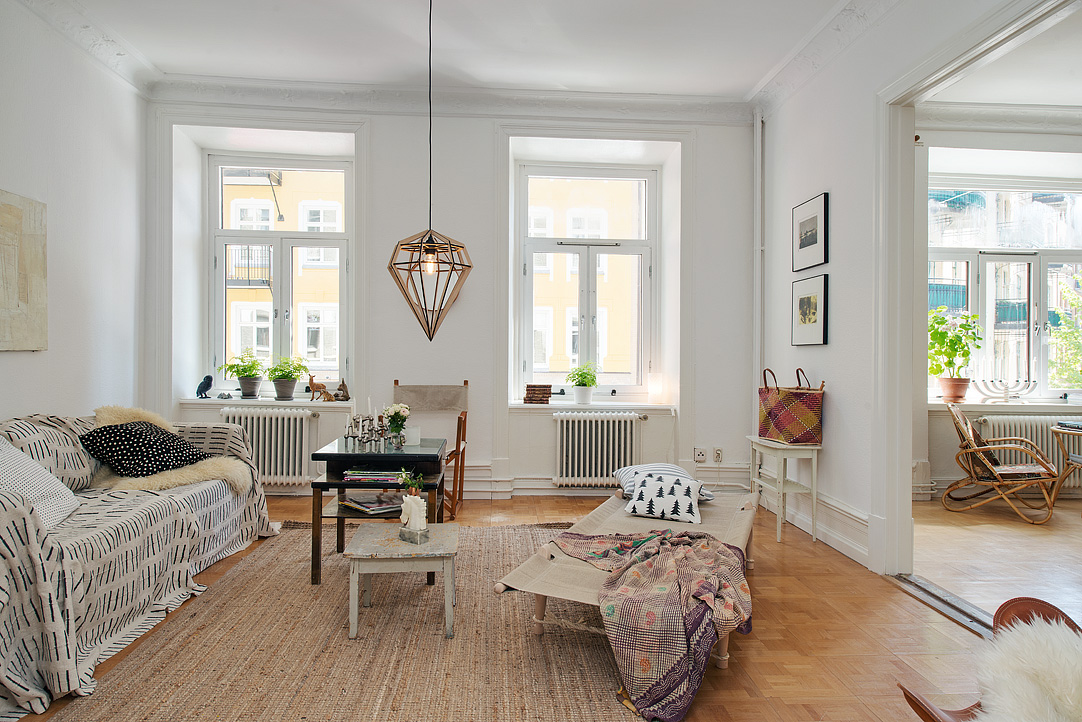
[1051,119]
[74,25]
[853,20]
[466,102]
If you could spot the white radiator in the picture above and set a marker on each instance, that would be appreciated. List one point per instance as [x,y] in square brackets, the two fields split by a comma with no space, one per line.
[1037,429]
[280,440]
[592,445]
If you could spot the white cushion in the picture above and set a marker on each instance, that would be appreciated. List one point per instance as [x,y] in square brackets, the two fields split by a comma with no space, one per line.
[22,475]
[628,477]
[665,496]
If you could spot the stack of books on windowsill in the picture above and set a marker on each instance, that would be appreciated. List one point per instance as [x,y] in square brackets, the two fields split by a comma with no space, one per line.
[537,393]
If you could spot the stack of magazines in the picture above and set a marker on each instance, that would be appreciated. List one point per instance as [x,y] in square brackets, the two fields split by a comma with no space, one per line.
[389,477]
[380,503]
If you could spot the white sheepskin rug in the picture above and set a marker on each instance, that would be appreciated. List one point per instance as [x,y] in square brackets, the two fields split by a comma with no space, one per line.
[230,469]
[1032,673]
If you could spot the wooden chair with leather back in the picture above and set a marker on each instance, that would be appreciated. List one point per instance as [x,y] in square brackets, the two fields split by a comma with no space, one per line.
[435,398]
[1019,610]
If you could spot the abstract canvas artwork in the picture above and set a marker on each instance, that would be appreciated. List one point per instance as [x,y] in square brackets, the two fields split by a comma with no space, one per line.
[24,322]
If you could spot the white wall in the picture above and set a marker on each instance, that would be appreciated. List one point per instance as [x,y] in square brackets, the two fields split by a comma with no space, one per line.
[711,275]
[824,138]
[191,282]
[71,136]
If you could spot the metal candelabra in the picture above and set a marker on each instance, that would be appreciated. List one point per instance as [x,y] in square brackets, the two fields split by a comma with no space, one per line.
[997,391]
[367,431]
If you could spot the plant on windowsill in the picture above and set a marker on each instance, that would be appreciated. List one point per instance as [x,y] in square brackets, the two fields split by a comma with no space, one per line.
[584,379]
[247,369]
[284,373]
[951,341]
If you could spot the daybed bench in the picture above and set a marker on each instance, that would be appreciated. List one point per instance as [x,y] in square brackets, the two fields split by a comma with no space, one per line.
[551,573]
[74,594]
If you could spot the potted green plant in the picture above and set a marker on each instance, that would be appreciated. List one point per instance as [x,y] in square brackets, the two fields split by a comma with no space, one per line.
[395,416]
[284,373]
[951,341]
[411,482]
[247,369]
[584,379]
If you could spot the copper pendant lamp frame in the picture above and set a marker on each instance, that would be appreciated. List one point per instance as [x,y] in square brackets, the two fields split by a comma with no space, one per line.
[430,268]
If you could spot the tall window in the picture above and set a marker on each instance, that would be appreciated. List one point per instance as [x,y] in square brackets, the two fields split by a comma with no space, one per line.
[1015,259]
[603,220]
[277,291]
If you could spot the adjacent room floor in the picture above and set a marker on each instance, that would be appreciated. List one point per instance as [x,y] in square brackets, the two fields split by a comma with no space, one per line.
[988,555]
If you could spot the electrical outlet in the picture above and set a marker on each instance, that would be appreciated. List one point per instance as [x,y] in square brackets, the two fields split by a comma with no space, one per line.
[717,455]
[700,455]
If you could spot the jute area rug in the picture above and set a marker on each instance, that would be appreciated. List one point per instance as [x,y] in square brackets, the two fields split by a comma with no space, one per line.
[264,644]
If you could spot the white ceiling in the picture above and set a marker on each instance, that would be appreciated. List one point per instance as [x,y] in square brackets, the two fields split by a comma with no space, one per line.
[1046,70]
[720,48]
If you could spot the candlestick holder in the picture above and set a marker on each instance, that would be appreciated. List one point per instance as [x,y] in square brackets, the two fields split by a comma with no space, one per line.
[997,391]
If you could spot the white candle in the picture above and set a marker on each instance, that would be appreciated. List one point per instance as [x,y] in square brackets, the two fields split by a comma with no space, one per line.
[369,405]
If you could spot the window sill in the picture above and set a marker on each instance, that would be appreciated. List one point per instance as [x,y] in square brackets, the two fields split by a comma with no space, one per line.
[262,401]
[645,406]
[1051,406]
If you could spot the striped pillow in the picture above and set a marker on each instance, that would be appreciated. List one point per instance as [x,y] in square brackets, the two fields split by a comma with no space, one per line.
[53,442]
[628,477]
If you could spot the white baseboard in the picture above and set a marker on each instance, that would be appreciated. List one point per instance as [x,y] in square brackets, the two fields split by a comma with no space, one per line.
[838,525]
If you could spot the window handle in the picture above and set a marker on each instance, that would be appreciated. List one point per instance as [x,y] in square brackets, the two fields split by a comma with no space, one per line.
[287,314]
[276,313]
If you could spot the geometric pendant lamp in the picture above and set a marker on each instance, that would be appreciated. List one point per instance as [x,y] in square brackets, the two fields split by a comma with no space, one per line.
[430,268]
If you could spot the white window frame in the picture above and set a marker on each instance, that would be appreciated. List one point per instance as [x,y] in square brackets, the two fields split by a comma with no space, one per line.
[303,309]
[980,287]
[256,306]
[587,251]
[282,245]
[319,205]
[238,204]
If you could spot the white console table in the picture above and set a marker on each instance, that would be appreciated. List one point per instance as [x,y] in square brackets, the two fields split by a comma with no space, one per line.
[781,485]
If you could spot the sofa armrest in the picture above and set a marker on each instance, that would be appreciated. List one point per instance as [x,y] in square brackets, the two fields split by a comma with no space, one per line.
[219,439]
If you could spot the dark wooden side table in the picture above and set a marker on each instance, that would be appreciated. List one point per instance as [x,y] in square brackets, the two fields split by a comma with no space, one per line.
[345,454]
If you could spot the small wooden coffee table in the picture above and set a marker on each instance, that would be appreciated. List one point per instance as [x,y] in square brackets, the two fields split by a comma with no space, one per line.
[376,549]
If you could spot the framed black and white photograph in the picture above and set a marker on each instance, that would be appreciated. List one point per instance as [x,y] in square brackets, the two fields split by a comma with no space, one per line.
[810,233]
[810,311]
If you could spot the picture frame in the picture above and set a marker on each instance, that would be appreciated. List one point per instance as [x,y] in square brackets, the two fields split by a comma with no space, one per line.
[810,311]
[810,233]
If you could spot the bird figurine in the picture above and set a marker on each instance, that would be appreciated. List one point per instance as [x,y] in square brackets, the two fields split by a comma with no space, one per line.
[204,387]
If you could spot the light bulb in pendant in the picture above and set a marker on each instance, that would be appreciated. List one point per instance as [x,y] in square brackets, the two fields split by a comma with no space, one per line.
[428,263]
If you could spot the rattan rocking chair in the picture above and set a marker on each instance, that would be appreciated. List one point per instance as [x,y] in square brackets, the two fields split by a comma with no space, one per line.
[988,479]
[1019,610]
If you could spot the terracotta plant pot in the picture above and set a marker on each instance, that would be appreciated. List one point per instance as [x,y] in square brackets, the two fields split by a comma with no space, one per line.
[249,386]
[284,388]
[954,389]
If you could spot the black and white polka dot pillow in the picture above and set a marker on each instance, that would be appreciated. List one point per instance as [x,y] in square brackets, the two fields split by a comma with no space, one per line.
[139,448]
[666,496]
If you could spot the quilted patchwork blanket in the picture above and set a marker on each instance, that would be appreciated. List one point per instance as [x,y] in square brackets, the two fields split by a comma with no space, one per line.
[667,598]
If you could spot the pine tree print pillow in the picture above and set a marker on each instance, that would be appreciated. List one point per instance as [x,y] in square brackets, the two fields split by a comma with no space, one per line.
[665,496]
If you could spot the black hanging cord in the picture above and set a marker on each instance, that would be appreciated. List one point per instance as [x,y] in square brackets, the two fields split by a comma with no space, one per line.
[430,117]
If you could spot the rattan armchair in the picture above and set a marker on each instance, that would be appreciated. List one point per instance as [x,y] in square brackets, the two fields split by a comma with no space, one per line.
[1019,610]
[988,479]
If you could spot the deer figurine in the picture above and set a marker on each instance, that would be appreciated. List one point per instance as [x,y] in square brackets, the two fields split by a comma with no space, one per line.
[315,387]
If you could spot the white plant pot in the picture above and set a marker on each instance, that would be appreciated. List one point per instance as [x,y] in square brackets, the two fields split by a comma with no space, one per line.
[583,394]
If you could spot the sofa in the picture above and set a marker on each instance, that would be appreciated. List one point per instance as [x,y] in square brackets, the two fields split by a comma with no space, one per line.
[76,587]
